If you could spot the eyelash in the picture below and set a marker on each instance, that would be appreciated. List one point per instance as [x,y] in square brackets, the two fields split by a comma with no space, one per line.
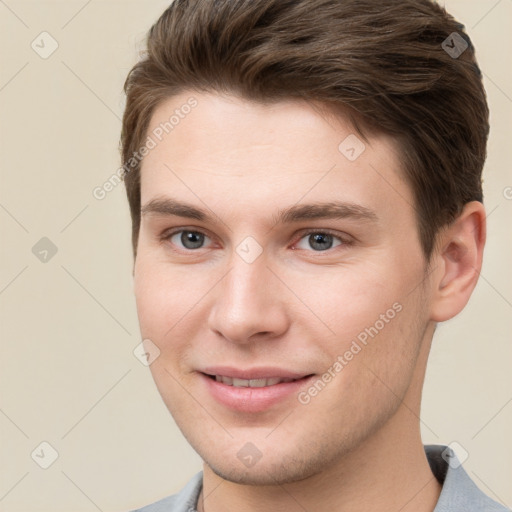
[344,241]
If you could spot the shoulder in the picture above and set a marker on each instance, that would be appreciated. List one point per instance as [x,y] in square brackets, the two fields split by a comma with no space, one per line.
[184,501]
[459,492]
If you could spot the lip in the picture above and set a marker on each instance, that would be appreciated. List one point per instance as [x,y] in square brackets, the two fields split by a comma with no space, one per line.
[252,400]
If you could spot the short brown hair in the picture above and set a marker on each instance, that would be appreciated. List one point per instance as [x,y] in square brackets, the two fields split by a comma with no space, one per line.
[389,61]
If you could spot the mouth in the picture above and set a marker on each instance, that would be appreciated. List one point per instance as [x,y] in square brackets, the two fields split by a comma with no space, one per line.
[253,391]
[251,383]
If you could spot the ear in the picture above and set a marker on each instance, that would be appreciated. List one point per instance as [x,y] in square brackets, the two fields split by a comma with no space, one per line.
[458,261]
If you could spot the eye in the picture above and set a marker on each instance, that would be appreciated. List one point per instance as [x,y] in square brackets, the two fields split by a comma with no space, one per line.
[188,239]
[320,241]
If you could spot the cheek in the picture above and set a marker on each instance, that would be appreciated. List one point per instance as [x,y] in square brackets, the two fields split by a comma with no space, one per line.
[374,319]
[162,308]
[169,301]
[349,299]
[159,298]
[162,291]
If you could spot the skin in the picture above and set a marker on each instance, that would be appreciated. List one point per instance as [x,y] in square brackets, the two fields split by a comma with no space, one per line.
[356,445]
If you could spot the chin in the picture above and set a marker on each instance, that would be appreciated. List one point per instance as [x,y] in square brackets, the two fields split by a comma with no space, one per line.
[278,465]
[264,474]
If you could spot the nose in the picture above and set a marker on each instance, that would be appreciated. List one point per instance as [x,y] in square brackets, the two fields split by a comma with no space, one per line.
[247,304]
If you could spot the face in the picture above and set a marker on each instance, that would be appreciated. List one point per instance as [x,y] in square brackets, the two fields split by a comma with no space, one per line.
[279,272]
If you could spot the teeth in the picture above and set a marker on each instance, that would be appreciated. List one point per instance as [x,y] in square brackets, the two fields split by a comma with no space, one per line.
[274,381]
[252,383]
[259,383]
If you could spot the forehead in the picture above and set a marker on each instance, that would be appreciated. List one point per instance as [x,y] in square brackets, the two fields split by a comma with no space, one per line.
[281,152]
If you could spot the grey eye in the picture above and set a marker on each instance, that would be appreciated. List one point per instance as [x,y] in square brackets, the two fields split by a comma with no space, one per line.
[189,239]
[319,241]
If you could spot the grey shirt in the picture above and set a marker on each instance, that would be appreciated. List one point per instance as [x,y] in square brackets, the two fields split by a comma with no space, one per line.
[459,493]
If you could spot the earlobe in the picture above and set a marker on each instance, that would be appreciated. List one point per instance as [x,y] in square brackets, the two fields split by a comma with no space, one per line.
[459,261]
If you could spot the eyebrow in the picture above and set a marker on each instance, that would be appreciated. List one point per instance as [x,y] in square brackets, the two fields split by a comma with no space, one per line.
[296,213]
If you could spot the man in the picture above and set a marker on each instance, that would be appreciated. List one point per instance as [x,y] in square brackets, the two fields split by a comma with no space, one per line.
[304,179]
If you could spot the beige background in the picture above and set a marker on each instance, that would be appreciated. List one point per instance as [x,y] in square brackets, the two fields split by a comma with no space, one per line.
[69,326]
